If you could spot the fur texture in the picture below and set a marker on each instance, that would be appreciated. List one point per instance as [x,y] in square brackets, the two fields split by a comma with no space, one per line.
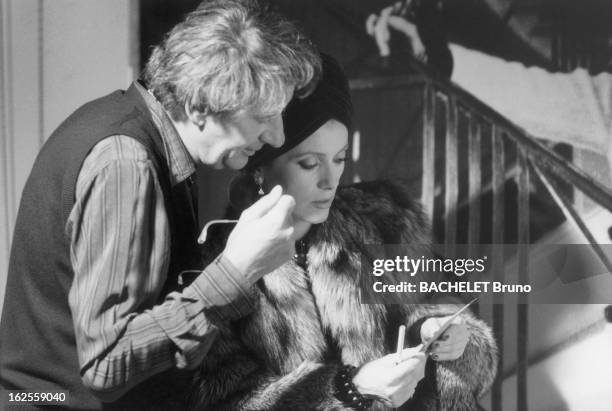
[285,354]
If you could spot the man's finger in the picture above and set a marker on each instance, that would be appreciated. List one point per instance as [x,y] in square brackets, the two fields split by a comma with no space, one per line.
[401,24]
[397,7]
[370,23]
[264,204]
[281,212]
[381,32]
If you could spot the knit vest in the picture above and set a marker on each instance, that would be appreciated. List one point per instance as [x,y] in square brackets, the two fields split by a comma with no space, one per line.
[37,340]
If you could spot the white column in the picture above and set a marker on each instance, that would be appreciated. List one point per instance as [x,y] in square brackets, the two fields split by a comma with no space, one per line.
[20,108]
[54,56]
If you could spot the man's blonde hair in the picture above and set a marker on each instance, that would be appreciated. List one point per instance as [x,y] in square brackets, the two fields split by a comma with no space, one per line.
[232,55]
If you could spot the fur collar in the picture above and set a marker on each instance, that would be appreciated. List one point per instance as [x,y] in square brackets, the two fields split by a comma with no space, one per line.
[304,316]
[300,312]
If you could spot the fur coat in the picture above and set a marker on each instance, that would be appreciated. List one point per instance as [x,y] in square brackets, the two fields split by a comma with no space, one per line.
[285,354]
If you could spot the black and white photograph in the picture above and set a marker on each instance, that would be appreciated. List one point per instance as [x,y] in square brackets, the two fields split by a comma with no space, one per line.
[267,205]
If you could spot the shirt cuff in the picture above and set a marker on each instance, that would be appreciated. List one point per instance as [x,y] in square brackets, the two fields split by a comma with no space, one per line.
[224,290]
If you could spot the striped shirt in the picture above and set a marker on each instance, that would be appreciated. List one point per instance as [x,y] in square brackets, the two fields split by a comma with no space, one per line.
[120,252]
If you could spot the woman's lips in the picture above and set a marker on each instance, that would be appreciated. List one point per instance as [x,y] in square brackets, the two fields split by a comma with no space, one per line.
[323,203]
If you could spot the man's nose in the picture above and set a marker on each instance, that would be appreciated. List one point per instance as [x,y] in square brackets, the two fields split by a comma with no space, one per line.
[274,134]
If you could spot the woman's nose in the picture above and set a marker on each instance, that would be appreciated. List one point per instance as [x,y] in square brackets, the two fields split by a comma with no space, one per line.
[330,178]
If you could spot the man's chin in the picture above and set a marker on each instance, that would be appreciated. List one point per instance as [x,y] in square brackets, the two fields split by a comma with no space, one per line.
[234,162]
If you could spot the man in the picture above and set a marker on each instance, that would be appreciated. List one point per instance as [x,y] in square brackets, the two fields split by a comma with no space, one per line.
[95,304]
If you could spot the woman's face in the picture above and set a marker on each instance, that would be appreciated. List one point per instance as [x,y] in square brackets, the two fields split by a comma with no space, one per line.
[311,171]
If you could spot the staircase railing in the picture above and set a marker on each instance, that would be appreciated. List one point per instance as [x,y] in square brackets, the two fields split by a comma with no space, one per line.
[514,155]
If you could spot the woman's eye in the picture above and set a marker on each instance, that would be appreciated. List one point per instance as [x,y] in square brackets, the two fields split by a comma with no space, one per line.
[307,165]
[341,160]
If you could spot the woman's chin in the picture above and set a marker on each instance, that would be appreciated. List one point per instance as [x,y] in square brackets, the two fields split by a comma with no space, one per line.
[317,217]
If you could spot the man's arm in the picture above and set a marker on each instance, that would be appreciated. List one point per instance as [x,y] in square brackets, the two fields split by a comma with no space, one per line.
[120,250]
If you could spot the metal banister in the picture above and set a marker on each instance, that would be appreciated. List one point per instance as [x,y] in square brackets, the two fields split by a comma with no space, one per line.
[525,159]
[535,150]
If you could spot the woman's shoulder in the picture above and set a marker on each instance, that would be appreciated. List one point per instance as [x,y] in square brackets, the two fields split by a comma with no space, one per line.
[381,198]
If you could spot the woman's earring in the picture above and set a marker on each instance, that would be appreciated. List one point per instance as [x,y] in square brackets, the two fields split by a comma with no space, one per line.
[201,125]
[258,177]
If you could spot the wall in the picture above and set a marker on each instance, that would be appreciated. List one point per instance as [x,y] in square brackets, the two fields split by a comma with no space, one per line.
[54,56]
[568,344]
[576,378]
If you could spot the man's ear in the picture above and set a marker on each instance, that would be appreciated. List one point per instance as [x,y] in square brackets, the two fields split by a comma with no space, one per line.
[197,117]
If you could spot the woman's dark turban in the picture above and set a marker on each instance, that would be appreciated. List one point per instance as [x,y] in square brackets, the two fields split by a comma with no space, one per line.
[303,116]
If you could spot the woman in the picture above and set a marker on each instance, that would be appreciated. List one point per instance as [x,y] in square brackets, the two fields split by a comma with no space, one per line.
[310,343]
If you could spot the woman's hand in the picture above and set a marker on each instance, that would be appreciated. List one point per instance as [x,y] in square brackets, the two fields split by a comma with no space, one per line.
[451,344]
[393,378]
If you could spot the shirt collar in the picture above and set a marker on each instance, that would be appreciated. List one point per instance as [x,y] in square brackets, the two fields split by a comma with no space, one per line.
[180,163]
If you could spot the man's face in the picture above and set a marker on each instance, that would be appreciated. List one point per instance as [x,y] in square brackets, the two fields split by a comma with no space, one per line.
[229,142]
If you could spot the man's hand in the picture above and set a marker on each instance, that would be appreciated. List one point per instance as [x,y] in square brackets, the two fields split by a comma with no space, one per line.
[451,344]
[390,379]
[379,26]
[422,24]
[262,239]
